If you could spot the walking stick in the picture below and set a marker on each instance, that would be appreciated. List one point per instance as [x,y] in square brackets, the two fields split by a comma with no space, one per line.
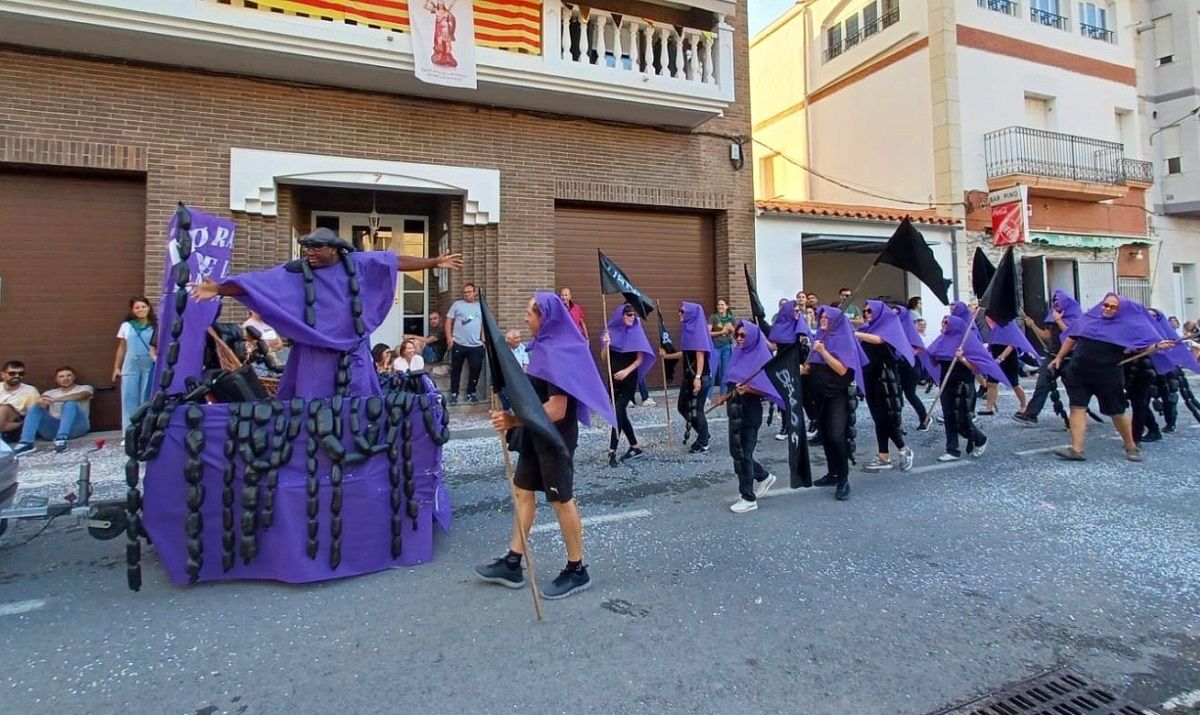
[666,387]
[949,369]
[612,394]
[520,528]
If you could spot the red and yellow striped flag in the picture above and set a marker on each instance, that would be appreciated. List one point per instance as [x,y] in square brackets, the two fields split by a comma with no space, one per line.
[514,25]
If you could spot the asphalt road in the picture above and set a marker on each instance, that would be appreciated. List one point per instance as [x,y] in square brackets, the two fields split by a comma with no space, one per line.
[922,590]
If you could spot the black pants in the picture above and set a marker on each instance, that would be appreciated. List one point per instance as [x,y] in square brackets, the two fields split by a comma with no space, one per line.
[745,418]
[691,406]
[1041,390]
[474,359]
[833,419]
[624,391]
[887,424]
[1139,400]
[910,377]
[958,407]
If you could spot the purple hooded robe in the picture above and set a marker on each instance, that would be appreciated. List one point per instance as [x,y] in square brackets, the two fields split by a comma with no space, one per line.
[840,342]
[748,359]
[631,339]
[694,333]
[946,345]
[886,324]
[1131,327]
[559,354]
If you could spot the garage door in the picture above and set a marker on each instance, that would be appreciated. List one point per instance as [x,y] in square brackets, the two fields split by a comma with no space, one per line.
[72,255]
[669,256]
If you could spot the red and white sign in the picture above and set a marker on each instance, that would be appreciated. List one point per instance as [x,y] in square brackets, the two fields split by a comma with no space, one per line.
[1009,224]
[443,39]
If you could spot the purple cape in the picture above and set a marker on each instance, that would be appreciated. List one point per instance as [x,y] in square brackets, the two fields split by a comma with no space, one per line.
[914,338]
[840,342]
[278,296]
[959,309]
[631,339]
[946,344]
[694,333]
[1066,305]
[1012,335]
[1132,327]
[560,355]
[783,325]
[1166,361]
[886,324]
[747,359]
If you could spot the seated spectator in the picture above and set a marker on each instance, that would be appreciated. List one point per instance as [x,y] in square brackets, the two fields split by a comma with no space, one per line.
[521,353]
[266,331]
[432,346]
[60,414]
[382,355]
[16,397]
[407,359]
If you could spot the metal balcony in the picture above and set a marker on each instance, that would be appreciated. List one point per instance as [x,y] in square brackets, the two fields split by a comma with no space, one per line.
[1005,7]
[1064,165]
[1048,19]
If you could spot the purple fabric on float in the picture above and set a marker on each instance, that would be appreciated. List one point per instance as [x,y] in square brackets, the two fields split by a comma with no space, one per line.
[784,327]
[366,510]
[1012,334]
[747,359]
[1066,305]
[1166,361]
[631,339]
[278,296]
[1131,326]
[840,341]
[694,333]
[947,344]
[560,355]
[886,324]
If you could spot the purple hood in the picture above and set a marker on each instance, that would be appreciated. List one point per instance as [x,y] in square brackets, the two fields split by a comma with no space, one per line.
[560,355]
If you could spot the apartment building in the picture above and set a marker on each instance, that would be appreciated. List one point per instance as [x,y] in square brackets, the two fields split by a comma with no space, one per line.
[949,105]
[615,125]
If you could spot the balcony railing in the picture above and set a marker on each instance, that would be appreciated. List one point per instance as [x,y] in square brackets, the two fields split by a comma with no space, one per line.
[1048,19]
[873,27]
[891,17]
[1036,152]
[1005,7]
[1096,33]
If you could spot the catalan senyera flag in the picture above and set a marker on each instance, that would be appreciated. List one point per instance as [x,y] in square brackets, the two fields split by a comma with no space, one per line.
[514,25]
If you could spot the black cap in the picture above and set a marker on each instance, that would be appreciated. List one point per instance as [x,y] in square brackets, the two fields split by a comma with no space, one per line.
[324,237]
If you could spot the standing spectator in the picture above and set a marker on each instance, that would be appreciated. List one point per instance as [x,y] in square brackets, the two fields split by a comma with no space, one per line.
[720,326]
[813,301]
[407,359]
[433,345]
[845,295]
[464,335]
[16,398]
[575,309]
[59,414]
[1174,323]
[519,351]
[136,351]
[920,323]
[914,307]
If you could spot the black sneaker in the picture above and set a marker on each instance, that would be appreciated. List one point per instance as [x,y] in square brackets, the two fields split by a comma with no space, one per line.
[612,460]
[472,398]
[1024,419]
[454,399]
[698,447]
[632,453]
[567,582]
[826,481]
[501,572]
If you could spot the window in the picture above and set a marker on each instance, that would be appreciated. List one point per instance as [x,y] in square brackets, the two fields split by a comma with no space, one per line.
[1093,21]
[1172,151]
[1048,13]
[1163,41]
[890,11]
[851,29]
[833,42]
[1047,6]
[1125,133]
[1037,111]
[766,177]
[870,20]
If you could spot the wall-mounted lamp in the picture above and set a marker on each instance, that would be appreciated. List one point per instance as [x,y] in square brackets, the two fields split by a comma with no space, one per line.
[736,158]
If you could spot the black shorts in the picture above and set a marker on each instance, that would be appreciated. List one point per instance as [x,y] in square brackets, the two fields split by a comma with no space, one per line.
[1010,366]
[1108,388]
[539,472]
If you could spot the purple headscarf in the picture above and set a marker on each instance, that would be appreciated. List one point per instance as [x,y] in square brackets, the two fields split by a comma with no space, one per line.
[1067,305]
[914,338]
[1012,335]
[1132,327]
[694,333]
[783,325]
[630,338]
[886,324]
[946,345]
[1166,361]
[960,310]
[748,359]
[840,342]
[560,355]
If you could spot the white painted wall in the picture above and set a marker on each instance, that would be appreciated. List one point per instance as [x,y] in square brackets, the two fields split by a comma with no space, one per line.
[1020,27]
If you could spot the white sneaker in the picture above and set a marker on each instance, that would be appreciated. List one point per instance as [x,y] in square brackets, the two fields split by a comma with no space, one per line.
[979,450]
[649,402]
[947,457]
[906,459]
[741,506]
[781,436]
[761,488]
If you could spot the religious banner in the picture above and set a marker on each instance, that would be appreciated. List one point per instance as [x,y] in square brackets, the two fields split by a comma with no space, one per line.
[443,38]
[212,252]
[783,371]
[1009,226]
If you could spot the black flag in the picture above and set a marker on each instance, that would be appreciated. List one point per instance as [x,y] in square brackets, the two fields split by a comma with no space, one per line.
[907,250]
[783,371]
[999,301]
[614,280]
[507,375]
[982,271]
[664,341]
[756,306]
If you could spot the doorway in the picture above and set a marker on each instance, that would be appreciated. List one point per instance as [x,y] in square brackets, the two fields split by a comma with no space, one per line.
[402,235]
[1183,277]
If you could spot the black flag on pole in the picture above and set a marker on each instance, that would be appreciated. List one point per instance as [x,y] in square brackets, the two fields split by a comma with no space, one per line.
[614,280]
[507,375]
[756,306]
[982,271]
[665,342]
[999,301]
[783,371]
[907,250]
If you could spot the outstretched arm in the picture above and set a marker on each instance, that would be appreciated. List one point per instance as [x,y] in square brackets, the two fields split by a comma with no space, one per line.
[208,289]
[453,261]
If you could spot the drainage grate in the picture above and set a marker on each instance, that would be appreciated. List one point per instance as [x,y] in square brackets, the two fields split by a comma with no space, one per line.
[1059,692]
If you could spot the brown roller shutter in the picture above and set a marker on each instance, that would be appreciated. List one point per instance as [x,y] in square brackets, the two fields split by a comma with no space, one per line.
[667,255]
[72,250]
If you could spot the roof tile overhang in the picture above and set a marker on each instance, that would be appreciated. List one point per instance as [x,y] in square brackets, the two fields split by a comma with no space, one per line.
[861,213]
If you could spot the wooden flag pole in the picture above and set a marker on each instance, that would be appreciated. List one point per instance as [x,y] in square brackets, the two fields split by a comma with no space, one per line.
[666,389]
[946,378]
[520,528]
[857,288]
[1154,348]
[612,393]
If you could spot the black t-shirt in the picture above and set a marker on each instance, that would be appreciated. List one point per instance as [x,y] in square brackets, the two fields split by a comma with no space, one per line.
[1096,355]
[827,383]
[877,353]
[689,364]
[568,426]
[620,361]
[1055,336]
